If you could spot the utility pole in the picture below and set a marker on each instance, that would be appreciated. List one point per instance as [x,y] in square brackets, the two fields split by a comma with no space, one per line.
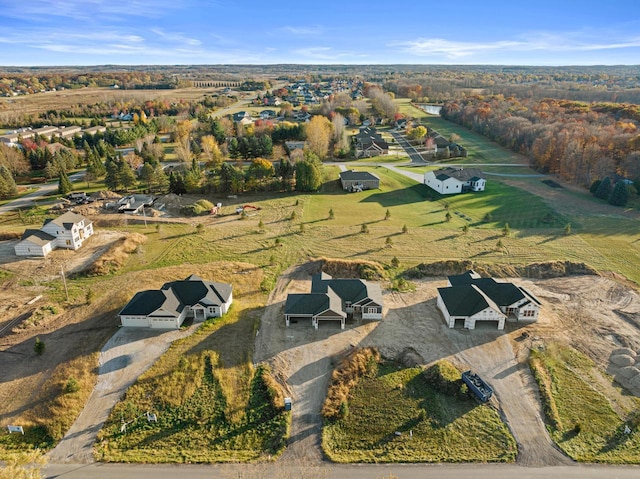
[64,280]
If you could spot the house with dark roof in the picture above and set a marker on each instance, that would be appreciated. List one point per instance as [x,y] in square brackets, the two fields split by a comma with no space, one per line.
[69,231]
[469,298]
[358,180]
[335,300]
[449,181]
[368,142]
[169,306]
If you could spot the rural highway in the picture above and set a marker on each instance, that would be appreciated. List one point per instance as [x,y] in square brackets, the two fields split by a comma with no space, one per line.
[336,471]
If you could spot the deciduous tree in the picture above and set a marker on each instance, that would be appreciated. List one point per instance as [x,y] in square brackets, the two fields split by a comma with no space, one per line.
[318,132]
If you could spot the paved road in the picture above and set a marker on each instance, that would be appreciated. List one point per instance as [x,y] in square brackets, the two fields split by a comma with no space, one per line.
[43,190]
[416,158]
[337,471]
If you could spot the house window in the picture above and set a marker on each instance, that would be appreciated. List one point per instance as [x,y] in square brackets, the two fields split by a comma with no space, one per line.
[68,242]
[372,310]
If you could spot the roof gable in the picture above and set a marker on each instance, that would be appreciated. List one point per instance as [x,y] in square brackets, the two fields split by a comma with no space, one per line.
[465,300]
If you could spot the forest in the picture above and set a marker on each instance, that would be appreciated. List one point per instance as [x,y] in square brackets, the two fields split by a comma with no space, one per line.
[581,142]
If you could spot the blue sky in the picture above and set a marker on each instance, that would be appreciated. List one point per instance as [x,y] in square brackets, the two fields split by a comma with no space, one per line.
[538,32]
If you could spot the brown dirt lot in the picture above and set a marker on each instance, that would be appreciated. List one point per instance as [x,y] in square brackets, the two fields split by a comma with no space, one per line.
[583,311]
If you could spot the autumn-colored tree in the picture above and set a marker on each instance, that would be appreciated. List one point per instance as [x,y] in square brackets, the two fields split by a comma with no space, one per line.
[417,133]
[318,131]
[211,151]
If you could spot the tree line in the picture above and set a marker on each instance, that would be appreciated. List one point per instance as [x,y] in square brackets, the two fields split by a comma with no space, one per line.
[580,142]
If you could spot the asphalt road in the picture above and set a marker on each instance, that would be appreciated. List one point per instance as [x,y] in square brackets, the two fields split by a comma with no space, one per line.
[42,191]
[416,158]
[338,471]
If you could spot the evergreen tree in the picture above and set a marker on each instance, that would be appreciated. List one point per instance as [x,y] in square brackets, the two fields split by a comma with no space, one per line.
[604,189]
[160,181]
[620,194]
[126,176]
[179,186]
[50,170]
[111,179]
[64,185]
[594,187]
[308,177]
[8,186]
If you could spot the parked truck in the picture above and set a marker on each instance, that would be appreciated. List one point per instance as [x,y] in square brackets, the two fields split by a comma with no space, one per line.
[481,389]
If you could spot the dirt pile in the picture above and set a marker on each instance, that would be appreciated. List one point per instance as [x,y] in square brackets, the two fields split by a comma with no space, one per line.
[549,269]
[624,363]
[117,255]
[105,195]
[340,268]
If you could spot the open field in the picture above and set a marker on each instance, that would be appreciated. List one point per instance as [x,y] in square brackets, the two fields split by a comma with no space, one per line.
[434,427]
[587,414]
[60,100]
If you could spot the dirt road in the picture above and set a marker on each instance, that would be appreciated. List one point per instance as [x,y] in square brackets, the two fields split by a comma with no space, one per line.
[126,356]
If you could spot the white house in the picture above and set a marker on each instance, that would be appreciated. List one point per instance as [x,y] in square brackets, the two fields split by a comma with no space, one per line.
[449,181]
[466,305]
[469,298]
[69,230]
[168,307]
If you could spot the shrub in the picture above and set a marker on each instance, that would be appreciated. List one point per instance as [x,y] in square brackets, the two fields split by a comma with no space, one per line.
[72,386]
[364,228]
[38,347]
[405,229]
[331,214]
[395,262]
[272,388]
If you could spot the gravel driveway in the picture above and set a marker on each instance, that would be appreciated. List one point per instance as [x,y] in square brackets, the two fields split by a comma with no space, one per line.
[128,354]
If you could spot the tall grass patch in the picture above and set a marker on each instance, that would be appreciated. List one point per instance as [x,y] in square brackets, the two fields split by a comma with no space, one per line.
[580,417]
[211,405]
[64,395]
[397,415]
[198,429]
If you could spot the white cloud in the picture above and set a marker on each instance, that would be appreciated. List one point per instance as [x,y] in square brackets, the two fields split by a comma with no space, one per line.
[303,31]
[538,41]
[86,10]
[176,37]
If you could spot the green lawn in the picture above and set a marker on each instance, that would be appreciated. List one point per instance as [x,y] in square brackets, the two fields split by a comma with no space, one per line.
[537,231]
[434,427]
[586,426]
[480,149]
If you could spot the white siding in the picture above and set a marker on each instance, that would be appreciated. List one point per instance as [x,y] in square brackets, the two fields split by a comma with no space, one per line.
[446,187]
[134,321]
[27,248]
[487,314]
